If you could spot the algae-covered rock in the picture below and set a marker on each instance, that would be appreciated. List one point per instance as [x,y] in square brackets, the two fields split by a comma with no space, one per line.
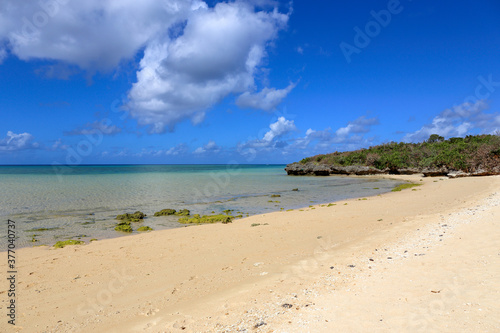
[165,212]
[183,212]
[207,219]
[144,228]
[61,244]
[124,227]
[275,196]
[135,217]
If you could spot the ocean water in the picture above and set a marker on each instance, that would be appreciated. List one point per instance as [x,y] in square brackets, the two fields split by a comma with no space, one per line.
[82,202]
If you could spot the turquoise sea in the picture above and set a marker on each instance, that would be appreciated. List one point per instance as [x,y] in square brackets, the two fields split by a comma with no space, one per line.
[82,201]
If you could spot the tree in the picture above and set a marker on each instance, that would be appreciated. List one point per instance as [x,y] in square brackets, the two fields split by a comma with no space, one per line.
[435,138]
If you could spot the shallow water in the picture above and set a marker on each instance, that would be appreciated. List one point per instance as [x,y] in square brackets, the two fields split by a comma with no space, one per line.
[82,201]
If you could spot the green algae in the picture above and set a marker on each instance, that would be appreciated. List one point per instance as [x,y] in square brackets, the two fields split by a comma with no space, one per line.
[197,219]
[135,217]
[144,228]
[404,186]
[169,211]
[61,244]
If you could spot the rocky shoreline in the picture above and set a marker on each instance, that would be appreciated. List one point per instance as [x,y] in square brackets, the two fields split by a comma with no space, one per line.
[312,169]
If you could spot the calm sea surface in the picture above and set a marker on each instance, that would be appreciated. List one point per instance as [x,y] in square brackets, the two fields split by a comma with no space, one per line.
[82,201]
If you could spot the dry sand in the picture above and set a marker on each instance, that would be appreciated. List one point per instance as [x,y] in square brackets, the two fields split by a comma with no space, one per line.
[411,261]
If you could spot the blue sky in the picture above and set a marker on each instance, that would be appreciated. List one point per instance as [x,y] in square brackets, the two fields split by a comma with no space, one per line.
[258,81]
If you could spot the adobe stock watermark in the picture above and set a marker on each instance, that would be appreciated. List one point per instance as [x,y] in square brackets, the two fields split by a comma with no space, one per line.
[31,25]
[484,89]
[104,297]
[423,319]
[372,29]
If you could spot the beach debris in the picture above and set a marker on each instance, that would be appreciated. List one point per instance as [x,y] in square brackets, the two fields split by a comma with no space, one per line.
[371,259]
[257,264]
[331,267]
[352,266]
[389,257]
[263,273]
[255,224]
[435,291]
[287,305]
[275,195]
[295,189]
[259,324]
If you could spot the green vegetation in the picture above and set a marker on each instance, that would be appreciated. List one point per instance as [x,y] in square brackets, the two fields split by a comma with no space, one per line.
[465,154]
[124,227]
[135,217]
[331,204]
[295,189]
[168,211]
[255,224]
[275,196]
[144,228]
[207,219]
[93,240]
[404,186]
[61,244]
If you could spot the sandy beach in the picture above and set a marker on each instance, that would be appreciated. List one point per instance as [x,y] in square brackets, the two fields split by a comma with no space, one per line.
[420,260]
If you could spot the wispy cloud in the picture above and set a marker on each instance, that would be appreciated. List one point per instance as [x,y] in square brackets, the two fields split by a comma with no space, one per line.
[99,127]
[210,148]
[179,149]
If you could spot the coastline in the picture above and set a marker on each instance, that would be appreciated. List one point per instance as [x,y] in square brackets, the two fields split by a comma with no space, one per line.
[205,278]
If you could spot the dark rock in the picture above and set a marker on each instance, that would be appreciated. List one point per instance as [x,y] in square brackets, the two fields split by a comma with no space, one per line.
[482,172]
[321,170]
[408,171]
[287,305]
[428,172]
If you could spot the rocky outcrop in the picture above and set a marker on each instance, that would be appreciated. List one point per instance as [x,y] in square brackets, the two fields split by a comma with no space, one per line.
[299,169]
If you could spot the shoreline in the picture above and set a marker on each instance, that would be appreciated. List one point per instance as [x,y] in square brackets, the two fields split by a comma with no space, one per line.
[98,224]
[165,280]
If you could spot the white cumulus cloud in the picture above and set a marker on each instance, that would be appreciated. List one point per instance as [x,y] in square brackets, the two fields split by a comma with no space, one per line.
[15,142]
[459,120]
[217,54]
[93,34]
[267,99]
[194,55]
